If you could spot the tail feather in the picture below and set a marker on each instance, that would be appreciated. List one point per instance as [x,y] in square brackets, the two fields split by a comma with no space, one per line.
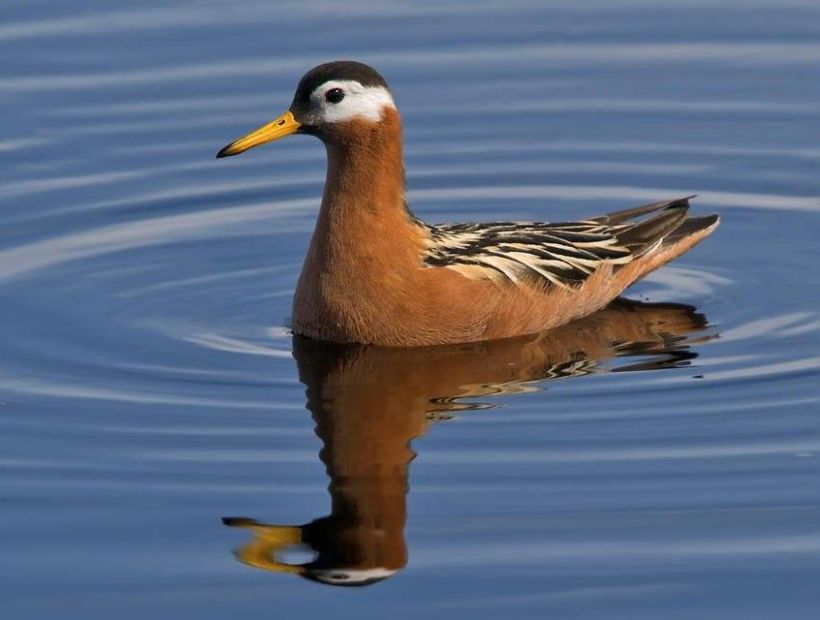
[620,217]
[657,233]
[680,240]
[690,227]
[648,234]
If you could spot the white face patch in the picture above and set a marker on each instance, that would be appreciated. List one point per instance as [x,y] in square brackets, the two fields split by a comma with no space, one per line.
[359,101]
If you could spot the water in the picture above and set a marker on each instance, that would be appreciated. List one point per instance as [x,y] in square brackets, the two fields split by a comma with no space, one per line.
[657,460]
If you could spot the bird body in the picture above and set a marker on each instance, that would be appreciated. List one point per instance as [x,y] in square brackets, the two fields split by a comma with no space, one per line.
[375,274]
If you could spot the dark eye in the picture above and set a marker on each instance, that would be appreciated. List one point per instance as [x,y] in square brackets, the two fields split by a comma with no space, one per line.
[334,95]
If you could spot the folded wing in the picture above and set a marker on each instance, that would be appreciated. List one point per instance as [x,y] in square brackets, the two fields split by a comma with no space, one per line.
[553,254]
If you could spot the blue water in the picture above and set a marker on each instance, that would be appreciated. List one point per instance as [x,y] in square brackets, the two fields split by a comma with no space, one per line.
[656,461]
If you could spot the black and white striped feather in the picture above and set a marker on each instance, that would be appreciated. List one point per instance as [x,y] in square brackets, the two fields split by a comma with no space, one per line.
[553,254]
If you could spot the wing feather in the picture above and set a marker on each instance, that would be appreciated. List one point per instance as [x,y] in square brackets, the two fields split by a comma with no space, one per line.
[561,254]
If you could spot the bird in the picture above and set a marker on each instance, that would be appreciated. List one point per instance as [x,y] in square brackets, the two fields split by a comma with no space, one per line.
[376,274]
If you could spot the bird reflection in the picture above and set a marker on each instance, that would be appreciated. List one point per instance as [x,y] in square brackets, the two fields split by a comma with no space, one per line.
[370,402]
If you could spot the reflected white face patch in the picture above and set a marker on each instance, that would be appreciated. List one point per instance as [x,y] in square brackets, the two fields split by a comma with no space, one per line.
[352,576]
[367,102]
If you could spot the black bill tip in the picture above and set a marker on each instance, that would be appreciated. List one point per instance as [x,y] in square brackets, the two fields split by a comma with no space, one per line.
[224,152]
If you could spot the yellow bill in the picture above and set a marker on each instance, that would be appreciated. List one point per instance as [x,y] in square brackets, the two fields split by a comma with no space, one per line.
[277,128]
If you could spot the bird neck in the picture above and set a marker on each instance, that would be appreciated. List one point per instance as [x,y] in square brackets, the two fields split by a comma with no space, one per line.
[364,190]
[366,250]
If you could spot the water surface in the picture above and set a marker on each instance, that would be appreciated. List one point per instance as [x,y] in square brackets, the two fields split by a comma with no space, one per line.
[167,449]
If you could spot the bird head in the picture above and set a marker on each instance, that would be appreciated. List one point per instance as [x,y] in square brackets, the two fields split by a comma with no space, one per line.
[331,101]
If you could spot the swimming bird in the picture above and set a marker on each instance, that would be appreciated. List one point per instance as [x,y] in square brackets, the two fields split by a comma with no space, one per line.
[376,274]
